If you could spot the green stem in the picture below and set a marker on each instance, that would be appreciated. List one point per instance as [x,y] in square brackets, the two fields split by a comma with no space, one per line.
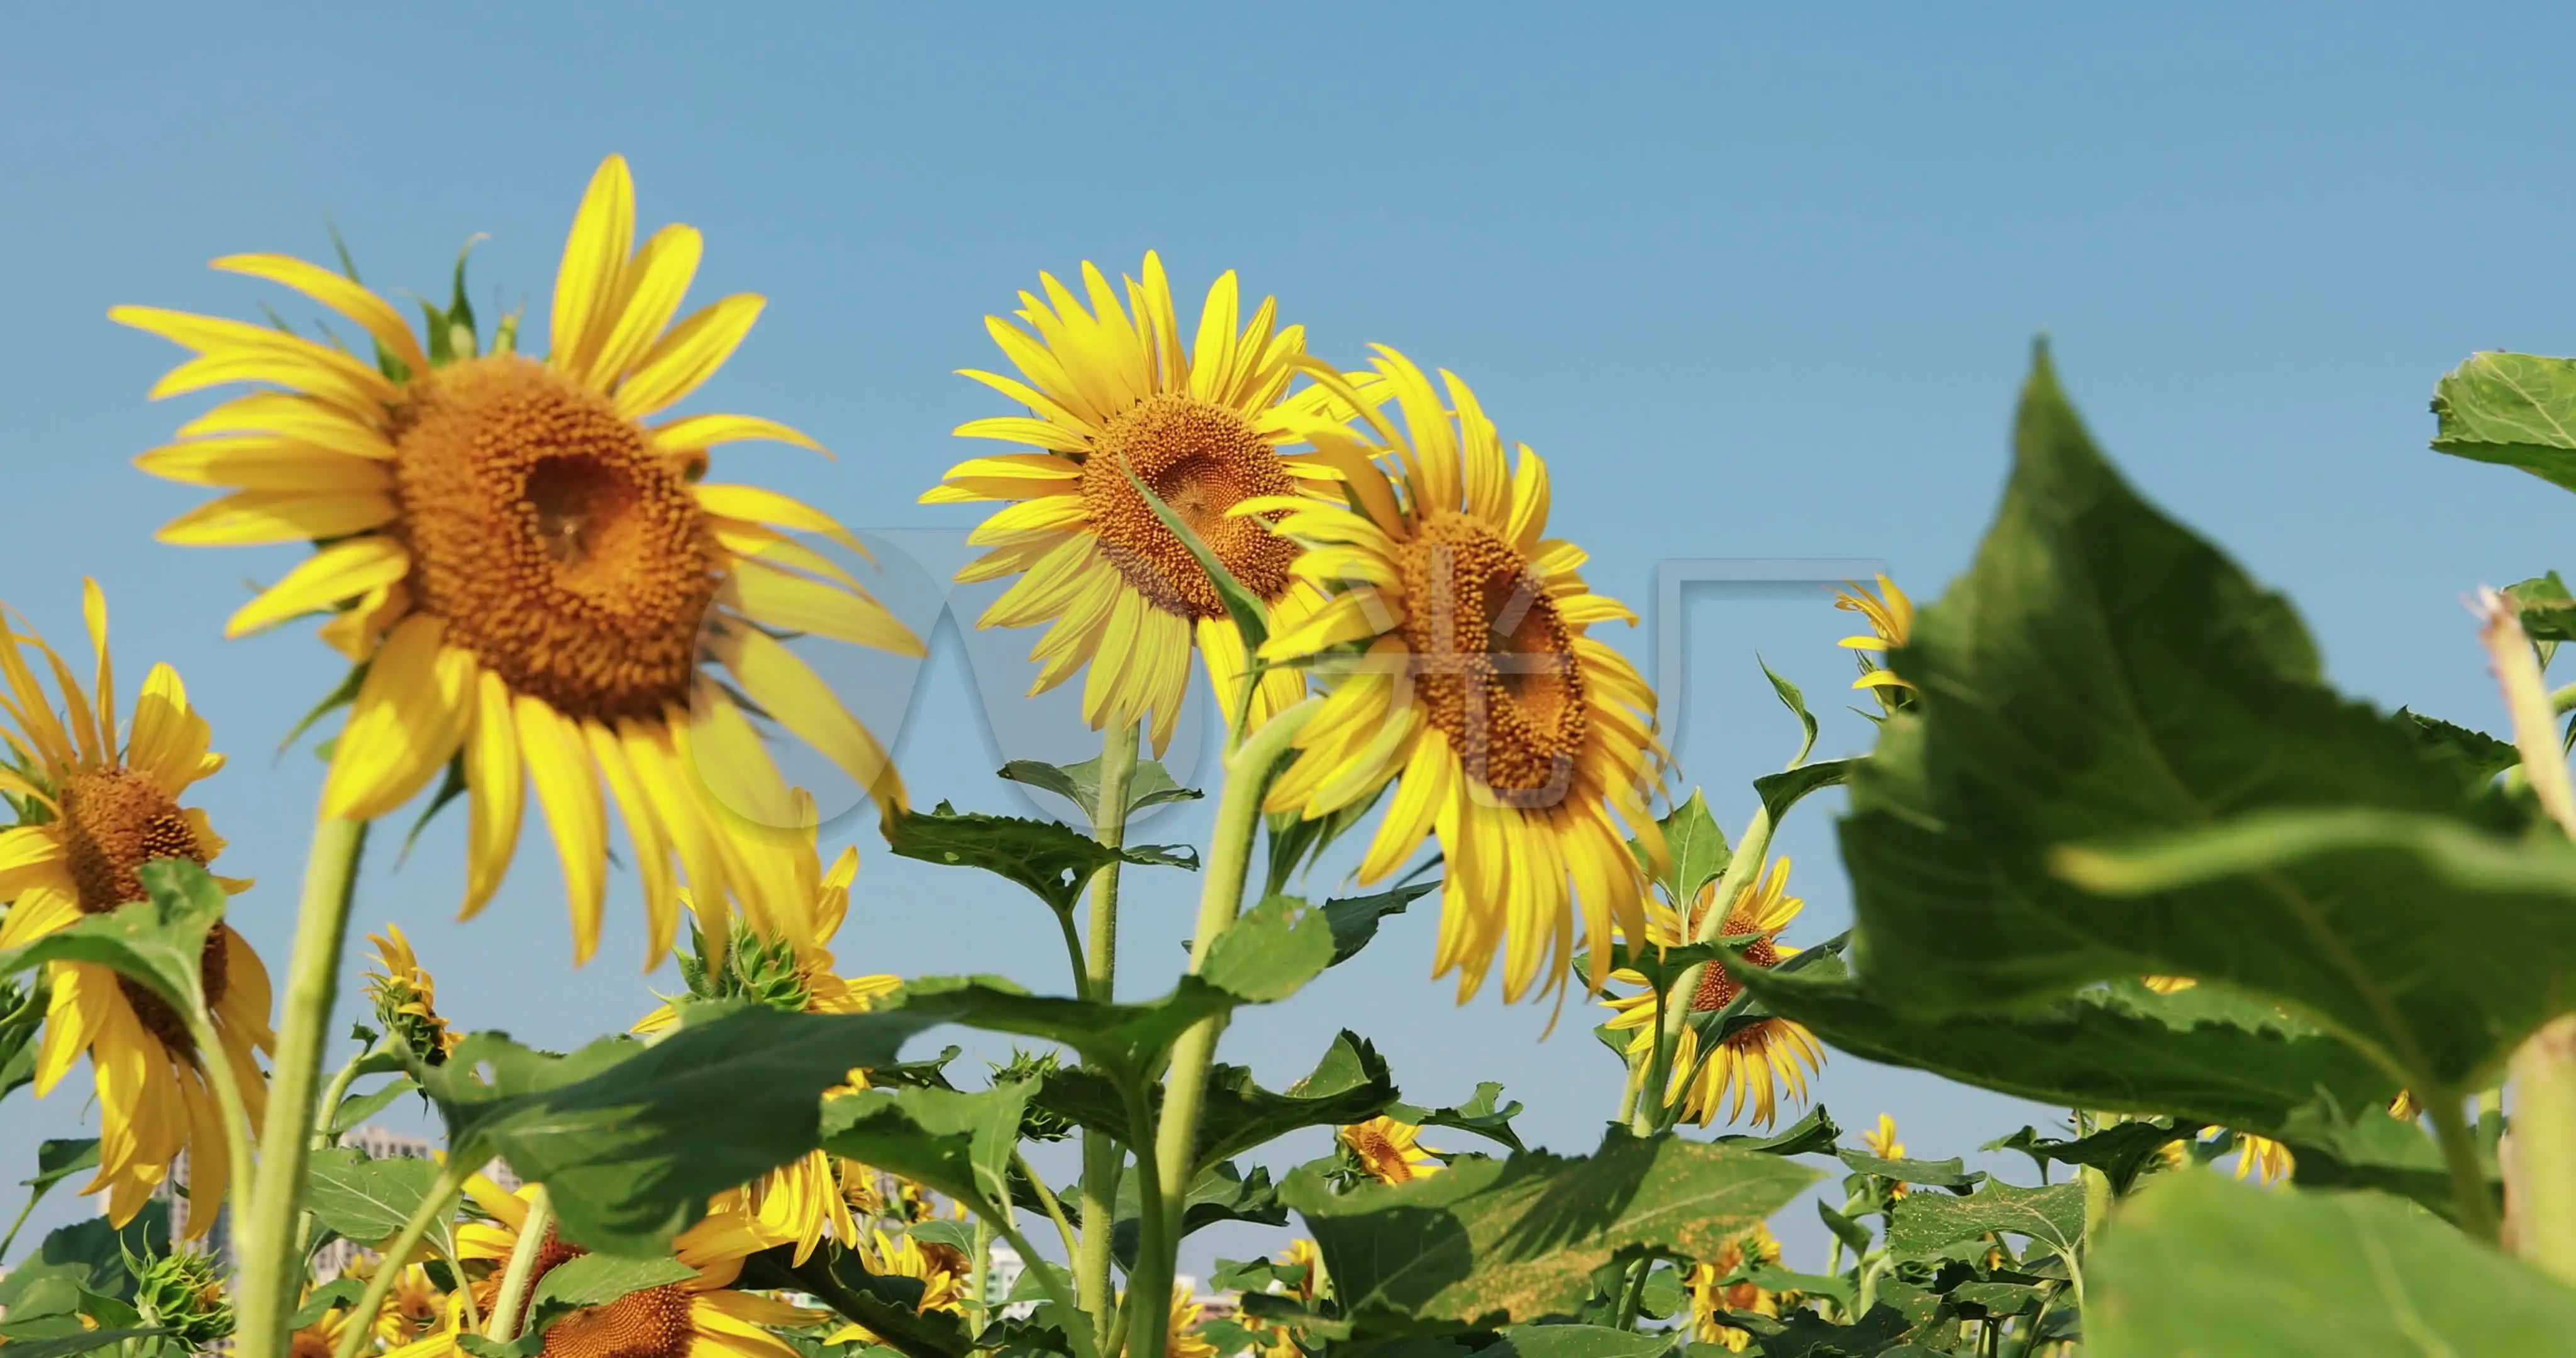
[228,1102]
[1143,1326]
[1238,818]
[2460,1153]
[361,1324]
[265,1234]
[513,1299]
[1082,1344]
[1633,1298]
[1096,979]
[979,1274]
[1054,1207]
[328,1110]
[2540,1166]
[1652,1115]
[1073,949]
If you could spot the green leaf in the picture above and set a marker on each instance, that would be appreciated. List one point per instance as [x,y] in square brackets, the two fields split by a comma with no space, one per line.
[2333,1147]
[1053,861]
[1296,844]
[1149,785]
[598,1279]
[92,1255]
[2102,673]
[1129,1040]
[56,1160]
[2217,1058]
[2515,410]
[159,943]
[888,1306]
[1355,918]
[1351,1084]
[1577,1341]
[1796,702]
[1486,1115]
[957,1143]
[1922,1225]
[1698,849]
[357,1110]
[1950,1174]
[1221,1193]
[630,1140]
[1271,952]
[1493,1241]
[1813,1134]
[2483,754]
[337,1294]
[85,1341]
[366,1200]
[2270,1274]
[2121,1150]
[22,1018]
[1781,791]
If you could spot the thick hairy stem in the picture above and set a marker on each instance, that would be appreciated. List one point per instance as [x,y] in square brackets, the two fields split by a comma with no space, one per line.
[1102,1158]
[512,1302]
[271,1276]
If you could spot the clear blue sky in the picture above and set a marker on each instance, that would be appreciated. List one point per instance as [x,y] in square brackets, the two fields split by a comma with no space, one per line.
[1759,281]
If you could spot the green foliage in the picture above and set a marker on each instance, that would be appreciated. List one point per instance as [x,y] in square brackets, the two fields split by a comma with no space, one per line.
[182,1295]
[1490,1242]
[1149,785]
[2197,1264]
[1354,919]
[91,1256]
[159,943]
[1697,847]
[1052,861]
[1922,1225]
[2517,410]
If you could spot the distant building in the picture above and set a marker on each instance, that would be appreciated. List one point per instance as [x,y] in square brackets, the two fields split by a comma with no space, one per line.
[173,1194]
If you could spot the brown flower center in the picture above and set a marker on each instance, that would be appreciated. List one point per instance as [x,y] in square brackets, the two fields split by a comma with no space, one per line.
[115,820]
[1493,663]
[1201,459]
[652,1323]
[561,550]
[1718,990]
[1380,1155]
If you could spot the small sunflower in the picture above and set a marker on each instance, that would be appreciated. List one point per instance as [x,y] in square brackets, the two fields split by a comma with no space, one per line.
[1115,388]
[1304,1253]
[412,1309]
[1755,1065]
[92,813]
[1712,1297]
[2167,985]
[1882,1143]
[940,1269]
[530,573]
[321,1339]
[1468,677]
[1891,621]
[792,969]
[699,1317]
[1389,1151]
[406,999]
[1183,1340]
[2262,1159]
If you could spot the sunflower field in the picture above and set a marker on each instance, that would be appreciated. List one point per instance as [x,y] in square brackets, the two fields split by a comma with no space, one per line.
[2301,971]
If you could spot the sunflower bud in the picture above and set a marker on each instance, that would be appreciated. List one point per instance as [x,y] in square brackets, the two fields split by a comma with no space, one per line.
[1036,1123]
[182,1294]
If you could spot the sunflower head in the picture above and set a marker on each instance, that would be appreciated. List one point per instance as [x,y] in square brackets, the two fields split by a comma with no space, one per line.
[183,1293]
[1754,1065]
[1390,1151]
[1457,643]
[1712,1295]
[532,569]
[406,999]
[1117,398]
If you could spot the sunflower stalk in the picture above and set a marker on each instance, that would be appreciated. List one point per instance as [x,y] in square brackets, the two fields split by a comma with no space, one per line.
[227,1091]
[2539,1160]
[1238,817]
[1102,1158]
[270,1275]
[1657,1113]
[362,1319]
[521,1273]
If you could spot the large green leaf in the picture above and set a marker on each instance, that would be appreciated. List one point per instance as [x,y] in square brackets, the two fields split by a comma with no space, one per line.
[91,1255]
[958,1143]
[363,1199]
[631,1140]
[2205,1054]
[1351,1084]
[1221,1193]
[1053,861]
[1486,1115]
[1922,1225]
[159,943]
[1150,784]
[1355,918]
[2101,672]
[1271,952]
[2198,1264]
[2518,410]
[22,1017]
[887,1305]
[1697,847]
[1490,1242]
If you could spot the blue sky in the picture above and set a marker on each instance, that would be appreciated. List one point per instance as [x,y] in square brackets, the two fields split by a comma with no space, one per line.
[1759,281]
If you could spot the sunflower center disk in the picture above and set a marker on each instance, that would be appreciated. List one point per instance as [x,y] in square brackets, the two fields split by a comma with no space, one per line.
[1493,663]
[1380,1155]
[1201,459]
[114,821]
[1718,990]
[559,547]
[652,1323]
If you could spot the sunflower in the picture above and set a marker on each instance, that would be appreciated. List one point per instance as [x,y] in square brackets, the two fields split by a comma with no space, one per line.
[92,813]
[697,1317]
[1891,621]
[530,574]
[406,999]
[1113,389]
[1755,1064]
[1304,1253]
[940,1269]
[1183,1340]
[1712,1296]
[321,1339]
[1387,1149]
[1882,1143]
[1518,738]
[792,969]
[2262,1159]
[412,1309]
